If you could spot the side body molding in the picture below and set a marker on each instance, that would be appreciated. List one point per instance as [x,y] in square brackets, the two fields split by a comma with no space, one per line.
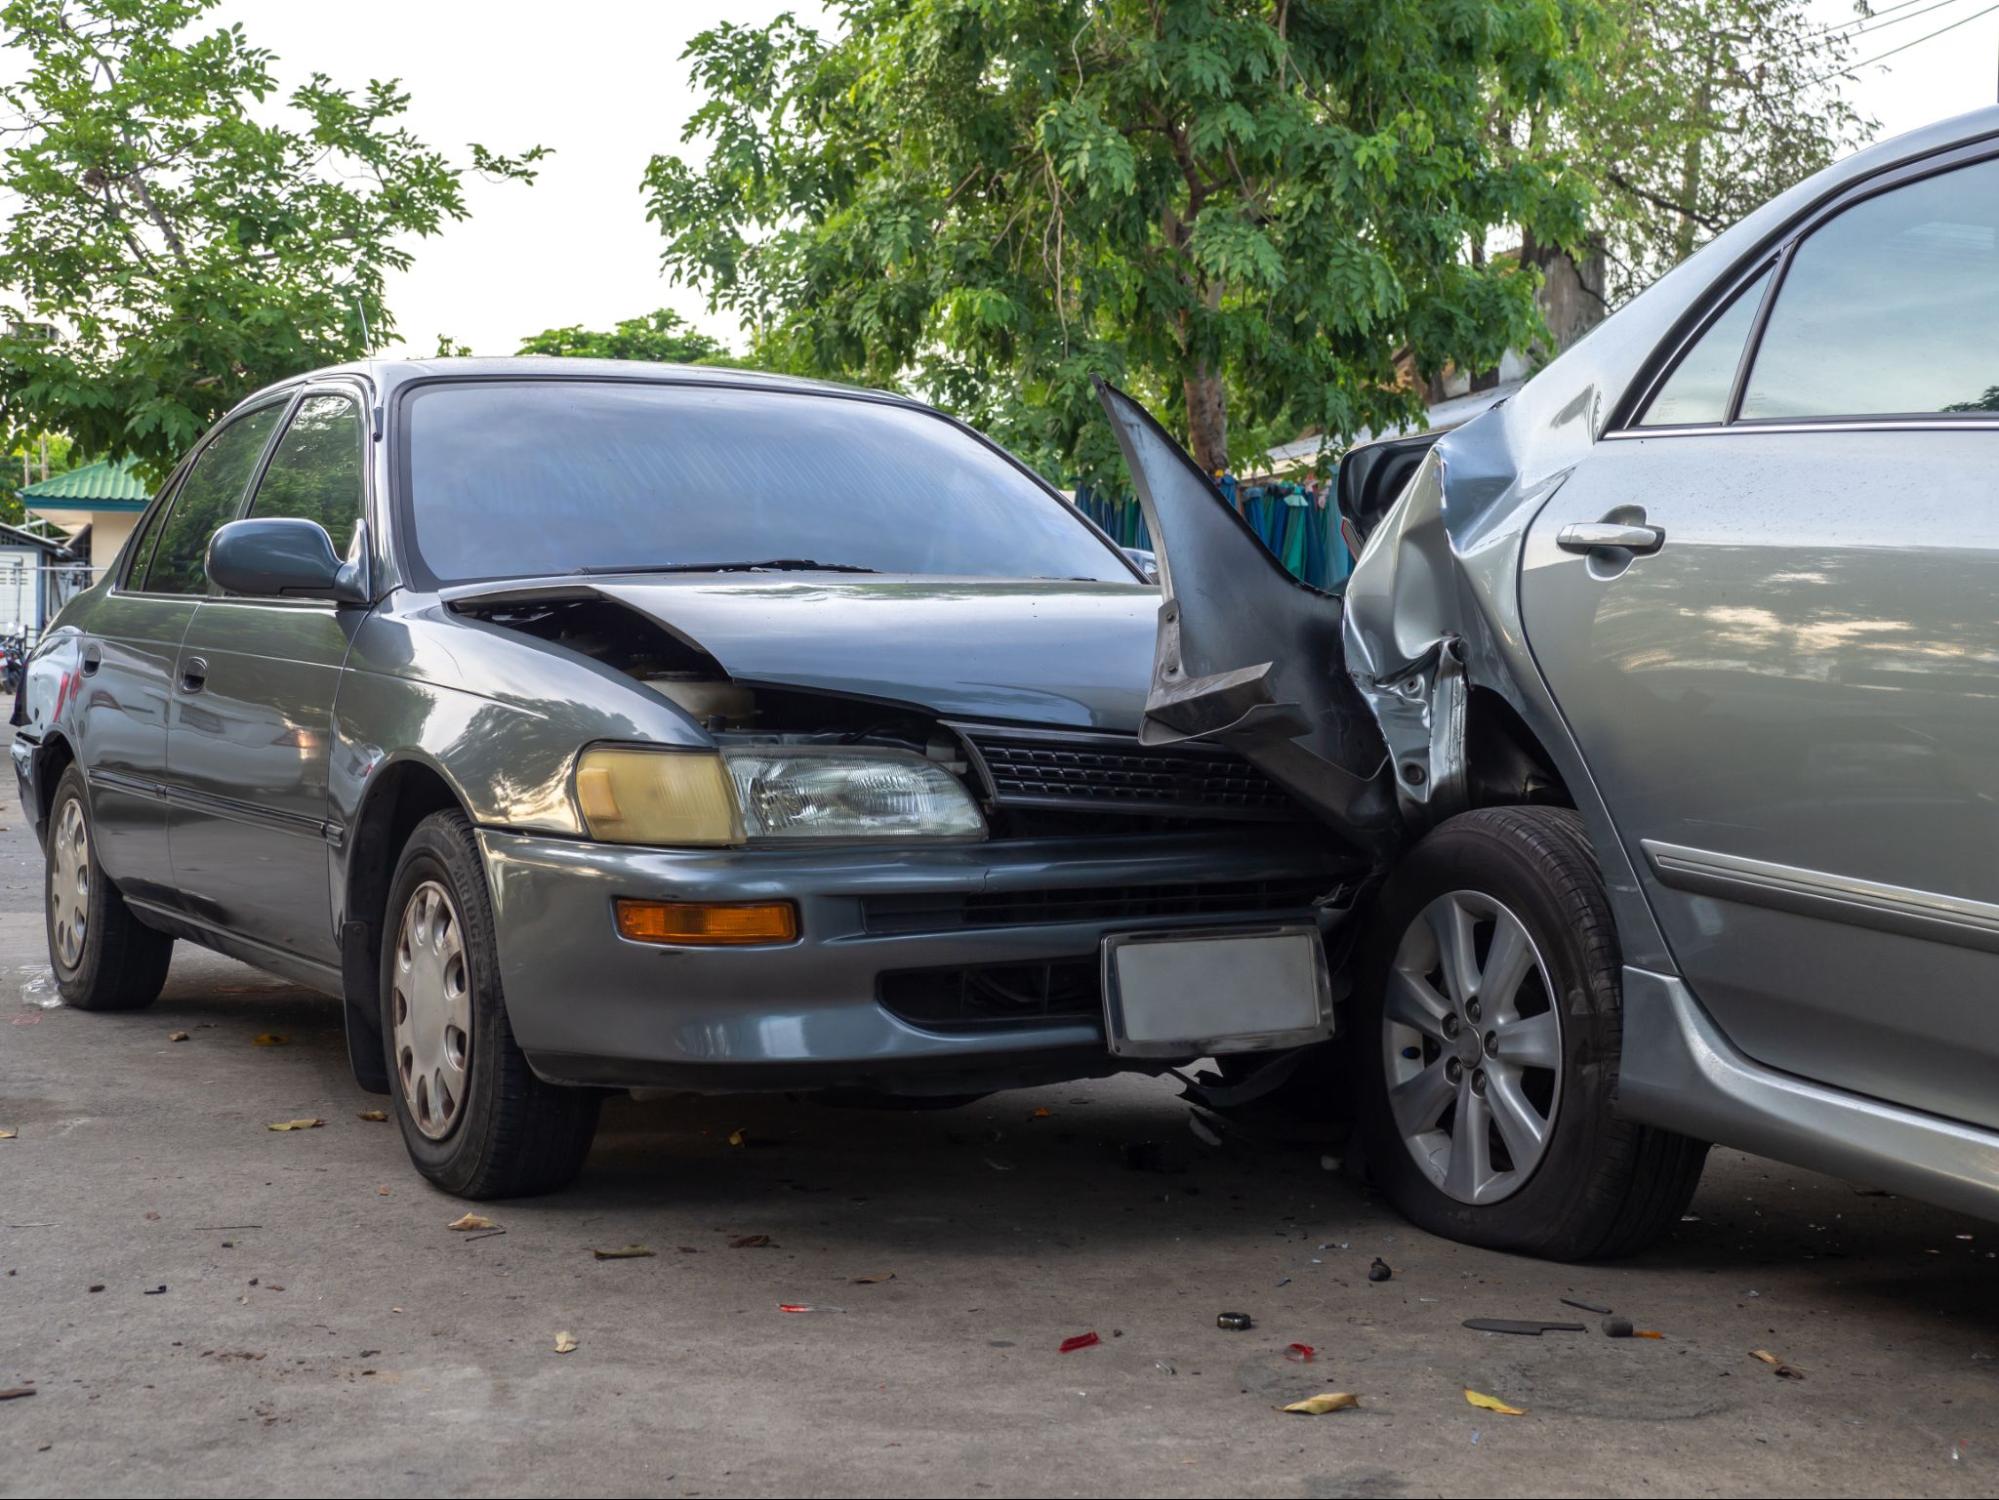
[1247,656]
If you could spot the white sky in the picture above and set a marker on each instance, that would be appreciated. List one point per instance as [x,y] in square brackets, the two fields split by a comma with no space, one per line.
[601,81]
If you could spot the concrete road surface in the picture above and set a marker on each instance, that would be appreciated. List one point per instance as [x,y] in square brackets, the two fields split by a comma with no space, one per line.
[204,1306]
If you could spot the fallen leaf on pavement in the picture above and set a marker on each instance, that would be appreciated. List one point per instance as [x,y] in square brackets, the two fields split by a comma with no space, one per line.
[751,1242]
[1492,1403]
[1784,1371]
[624,1252]
[296,1125]
[875,1280]
[1318,1406]
[269,1039]
[469,1221]
[1042,1113]
[377,1115]
[565,1342]
[176,1036]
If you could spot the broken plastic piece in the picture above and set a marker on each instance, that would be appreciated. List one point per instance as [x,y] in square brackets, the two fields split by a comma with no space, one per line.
[1532,1326]
[1079,1341]
[1586,1306]
[1234,1322]
[1300,1354]
[1379,1271]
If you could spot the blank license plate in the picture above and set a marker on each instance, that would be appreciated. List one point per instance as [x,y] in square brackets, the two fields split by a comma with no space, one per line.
[1195,994]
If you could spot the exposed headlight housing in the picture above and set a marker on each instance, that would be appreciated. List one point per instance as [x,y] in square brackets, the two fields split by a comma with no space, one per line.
[700,799]
[833,792]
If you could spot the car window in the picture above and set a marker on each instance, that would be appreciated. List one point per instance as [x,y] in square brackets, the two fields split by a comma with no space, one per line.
[208,497]
[517,477]
[140,550]
[1892,308]
[1699,388]
[315,472]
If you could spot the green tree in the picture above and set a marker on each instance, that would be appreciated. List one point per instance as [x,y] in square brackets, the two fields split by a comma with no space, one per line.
[1248,211]
[663,337]
[1696,112]
[177,238]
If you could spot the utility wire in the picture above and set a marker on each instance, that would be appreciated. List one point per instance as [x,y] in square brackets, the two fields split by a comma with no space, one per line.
[1886,10]
[1869,62]
[1898,20]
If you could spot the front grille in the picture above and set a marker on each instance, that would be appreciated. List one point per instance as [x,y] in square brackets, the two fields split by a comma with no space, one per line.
[946,912]
[1045,768]
[995,997]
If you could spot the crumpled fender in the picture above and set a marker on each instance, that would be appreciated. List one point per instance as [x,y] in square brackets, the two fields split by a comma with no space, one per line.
[1245,655]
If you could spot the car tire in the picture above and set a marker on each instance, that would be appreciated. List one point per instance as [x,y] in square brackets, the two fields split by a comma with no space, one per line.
[1587,1185]
[477,1121]
[104,957]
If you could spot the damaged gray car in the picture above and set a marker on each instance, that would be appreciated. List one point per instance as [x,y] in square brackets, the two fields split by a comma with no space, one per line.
[588,725]
[1661,703]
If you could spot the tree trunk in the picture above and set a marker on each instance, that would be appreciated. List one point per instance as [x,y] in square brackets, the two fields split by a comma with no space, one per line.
[1207,418]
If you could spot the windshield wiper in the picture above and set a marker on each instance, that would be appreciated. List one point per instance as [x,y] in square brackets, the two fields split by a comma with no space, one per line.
[761,565]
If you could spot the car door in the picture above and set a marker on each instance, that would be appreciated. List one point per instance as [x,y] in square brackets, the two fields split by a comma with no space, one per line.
[129,652]
[248,745]
[1765,607]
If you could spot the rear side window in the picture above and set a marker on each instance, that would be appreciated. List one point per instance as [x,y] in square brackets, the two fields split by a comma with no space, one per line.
[315,474]
[1890,309]
[208,497]
[141,545]
[1698,390]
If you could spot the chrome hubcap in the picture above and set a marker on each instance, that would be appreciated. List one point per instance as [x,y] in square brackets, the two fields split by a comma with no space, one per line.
[432,994]
[1472,1042]
[69,886]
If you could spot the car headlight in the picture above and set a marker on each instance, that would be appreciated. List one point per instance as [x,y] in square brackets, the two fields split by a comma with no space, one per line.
[635,796]
[833,792]
[697,798]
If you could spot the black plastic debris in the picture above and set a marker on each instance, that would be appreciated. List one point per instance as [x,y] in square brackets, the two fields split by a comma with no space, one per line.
[1531,1326]
[1379,1271]
[1232,1322]
[1589,1307]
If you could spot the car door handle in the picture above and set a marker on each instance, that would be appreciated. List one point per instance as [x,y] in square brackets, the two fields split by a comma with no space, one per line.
[193,674]
[93,658]
[1602,536]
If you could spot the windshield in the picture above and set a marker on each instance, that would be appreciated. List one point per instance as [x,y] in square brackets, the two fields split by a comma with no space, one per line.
[512,478]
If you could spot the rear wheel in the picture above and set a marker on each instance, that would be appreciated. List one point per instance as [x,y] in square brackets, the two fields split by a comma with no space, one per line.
[476,1120]
[1488,1027]
[104,957]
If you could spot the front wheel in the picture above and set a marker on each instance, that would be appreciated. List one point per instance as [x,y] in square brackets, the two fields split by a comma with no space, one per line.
[476,1120]
[1488,1028]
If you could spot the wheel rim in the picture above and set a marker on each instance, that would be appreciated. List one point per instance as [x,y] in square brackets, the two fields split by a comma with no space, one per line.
[1472,1043]
[69,886]
[432,995]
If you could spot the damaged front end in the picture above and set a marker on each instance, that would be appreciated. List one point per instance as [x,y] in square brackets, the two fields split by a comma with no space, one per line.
[1359,705]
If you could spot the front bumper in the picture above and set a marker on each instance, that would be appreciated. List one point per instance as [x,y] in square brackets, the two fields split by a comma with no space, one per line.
[589,1007]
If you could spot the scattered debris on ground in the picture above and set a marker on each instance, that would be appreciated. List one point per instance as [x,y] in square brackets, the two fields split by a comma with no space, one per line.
[752,1242]
[374,1116]
[874,1280]
[269,1039]
[1783,1371]
[1532,1327]
[1234,1322]
[1079,1341]
[1588,1307]
[177,1036]
[624,1252]
[1379,1271]
[1318,1406]
[1492,1403]
[296,1125]
[465,1223]
[565,1342]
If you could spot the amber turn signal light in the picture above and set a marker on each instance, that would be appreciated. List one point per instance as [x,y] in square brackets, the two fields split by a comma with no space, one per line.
[707,923]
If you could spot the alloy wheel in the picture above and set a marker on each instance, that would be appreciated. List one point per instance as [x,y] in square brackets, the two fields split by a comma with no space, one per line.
[432,992]
[1472,1043]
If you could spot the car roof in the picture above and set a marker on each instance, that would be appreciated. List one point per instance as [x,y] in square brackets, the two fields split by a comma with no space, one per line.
[387,374]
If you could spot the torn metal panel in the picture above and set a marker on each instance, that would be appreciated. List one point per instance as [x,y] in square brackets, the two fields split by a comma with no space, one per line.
[1246,656]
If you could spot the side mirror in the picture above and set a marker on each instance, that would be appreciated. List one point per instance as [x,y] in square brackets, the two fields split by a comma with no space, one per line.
[279,556]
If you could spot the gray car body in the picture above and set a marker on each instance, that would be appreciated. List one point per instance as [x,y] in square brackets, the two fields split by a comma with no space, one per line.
[1793,815]
[260,811]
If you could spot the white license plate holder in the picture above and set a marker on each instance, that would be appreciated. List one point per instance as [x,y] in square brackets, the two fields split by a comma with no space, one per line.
[1216,990]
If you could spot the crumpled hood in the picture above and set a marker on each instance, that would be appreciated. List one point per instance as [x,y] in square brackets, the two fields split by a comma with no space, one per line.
[1069,654]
